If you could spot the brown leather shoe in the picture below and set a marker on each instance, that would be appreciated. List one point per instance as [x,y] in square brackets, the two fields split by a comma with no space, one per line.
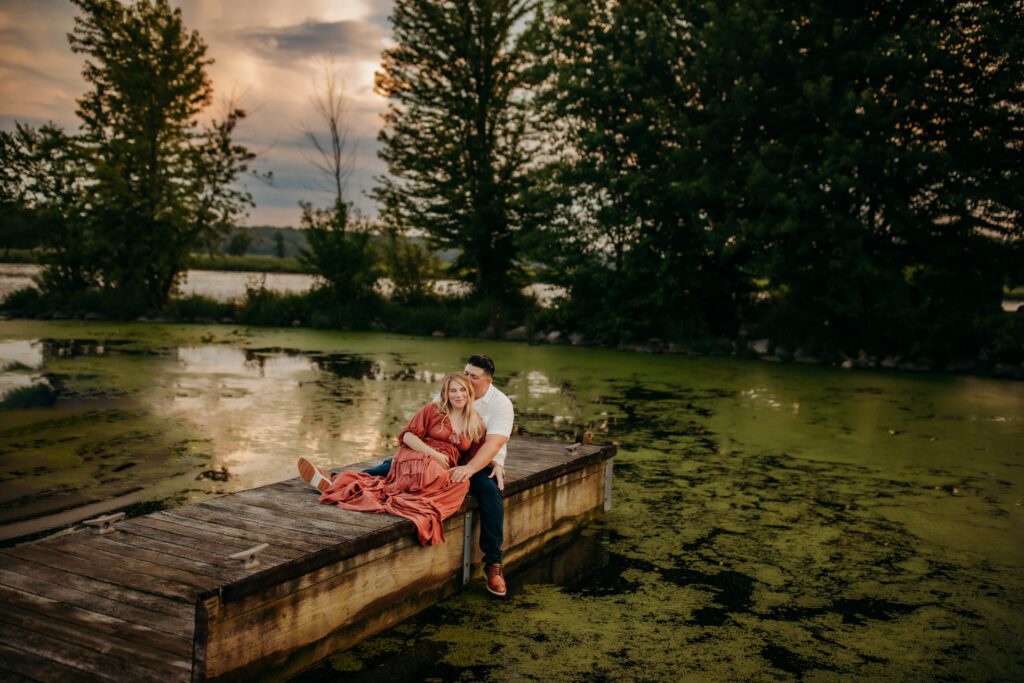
[495,579]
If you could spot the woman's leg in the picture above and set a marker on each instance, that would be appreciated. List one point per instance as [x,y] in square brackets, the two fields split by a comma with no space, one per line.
[380,470]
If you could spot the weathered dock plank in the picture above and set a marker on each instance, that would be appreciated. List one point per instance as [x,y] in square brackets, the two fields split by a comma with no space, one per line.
[39,583]
[88,662]
[160,598]
[254,532]
[131,655]
[159,642]
[143,577]
[20,665]
[36,561]
[205,529]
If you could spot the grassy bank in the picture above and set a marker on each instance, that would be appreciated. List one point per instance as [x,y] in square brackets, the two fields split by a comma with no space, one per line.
[318,308]
[1002,352]
[247,262]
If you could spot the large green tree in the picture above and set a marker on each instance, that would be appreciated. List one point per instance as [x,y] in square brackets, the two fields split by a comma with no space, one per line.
[864,159]
[160,182]
[457,137]
[629,237]
[870,156]
[44,187]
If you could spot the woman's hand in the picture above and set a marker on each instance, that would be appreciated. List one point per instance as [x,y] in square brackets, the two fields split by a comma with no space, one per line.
[461,473]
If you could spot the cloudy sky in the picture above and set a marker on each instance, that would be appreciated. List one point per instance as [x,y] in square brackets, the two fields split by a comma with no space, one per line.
[269,53]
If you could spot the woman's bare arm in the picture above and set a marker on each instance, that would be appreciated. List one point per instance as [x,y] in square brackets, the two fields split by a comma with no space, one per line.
[417,444]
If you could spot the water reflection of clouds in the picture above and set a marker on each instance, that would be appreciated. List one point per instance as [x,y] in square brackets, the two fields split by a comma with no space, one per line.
[763,396]
[538,384]
[250,404]
[19,354]
[24,351]
[542,406]
[10,381]
[263,408]
[221,360]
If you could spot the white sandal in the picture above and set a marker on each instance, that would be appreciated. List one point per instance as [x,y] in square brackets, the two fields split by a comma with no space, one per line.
[314,476]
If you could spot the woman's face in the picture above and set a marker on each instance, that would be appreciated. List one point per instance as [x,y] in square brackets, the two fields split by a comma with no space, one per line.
[458,395]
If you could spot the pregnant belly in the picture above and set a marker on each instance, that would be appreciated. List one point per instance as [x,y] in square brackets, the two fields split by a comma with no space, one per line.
[416,472]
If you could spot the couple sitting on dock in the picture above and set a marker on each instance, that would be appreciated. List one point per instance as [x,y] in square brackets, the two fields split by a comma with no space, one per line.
[452,446]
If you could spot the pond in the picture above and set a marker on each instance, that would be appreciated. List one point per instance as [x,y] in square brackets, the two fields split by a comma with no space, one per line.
[221,285]
[769,521]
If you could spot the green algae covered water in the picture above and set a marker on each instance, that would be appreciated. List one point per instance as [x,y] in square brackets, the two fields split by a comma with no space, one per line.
[770,522]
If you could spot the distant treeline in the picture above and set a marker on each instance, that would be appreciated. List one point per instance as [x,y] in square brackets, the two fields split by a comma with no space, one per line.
[843,179]
[264,240]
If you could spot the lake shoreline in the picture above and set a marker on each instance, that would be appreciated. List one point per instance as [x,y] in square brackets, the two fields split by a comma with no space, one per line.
[740,347]
[268,300]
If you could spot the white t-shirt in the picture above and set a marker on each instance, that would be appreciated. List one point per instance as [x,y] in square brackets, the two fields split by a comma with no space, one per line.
[495,408]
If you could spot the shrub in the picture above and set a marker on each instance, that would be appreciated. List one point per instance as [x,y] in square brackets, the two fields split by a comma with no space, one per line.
[198,307]
[26,302]
[262,306]
[33,396]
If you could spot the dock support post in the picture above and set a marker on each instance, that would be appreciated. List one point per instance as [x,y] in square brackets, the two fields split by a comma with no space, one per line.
[608,484]
[467,545]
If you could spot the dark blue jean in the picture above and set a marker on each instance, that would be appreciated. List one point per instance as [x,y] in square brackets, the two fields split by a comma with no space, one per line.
[491,508]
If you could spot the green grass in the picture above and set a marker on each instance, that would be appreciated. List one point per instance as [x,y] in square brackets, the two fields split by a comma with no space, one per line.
[247,262]
[197,307]
[253,262]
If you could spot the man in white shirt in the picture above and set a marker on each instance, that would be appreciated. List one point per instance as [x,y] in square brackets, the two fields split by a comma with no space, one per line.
[487,483]
[486,469]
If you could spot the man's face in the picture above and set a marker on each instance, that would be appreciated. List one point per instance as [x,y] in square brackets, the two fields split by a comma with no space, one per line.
[479,379]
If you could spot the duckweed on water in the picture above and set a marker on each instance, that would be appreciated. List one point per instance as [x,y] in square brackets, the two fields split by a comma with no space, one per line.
[769,522]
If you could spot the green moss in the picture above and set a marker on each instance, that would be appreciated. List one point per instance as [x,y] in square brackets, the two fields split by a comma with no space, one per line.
[345,662]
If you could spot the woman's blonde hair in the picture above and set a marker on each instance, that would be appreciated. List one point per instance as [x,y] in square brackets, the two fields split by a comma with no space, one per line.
[474,425]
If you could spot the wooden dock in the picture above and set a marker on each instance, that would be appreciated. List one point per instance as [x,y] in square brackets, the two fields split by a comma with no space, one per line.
[161,598]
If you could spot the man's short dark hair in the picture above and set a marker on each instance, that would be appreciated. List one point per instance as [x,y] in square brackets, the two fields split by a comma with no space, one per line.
[483,362]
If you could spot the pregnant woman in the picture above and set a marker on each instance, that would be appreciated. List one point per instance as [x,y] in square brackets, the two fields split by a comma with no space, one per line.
[419,485]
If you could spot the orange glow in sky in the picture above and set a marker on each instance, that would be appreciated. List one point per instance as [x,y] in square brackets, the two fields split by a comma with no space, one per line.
[267,53]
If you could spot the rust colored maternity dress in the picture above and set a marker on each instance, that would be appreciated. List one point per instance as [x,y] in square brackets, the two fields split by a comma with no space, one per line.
[417,487]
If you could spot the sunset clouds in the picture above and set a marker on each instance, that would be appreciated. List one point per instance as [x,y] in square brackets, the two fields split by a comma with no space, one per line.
[267,54]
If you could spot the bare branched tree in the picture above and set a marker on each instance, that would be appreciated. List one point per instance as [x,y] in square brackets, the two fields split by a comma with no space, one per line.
[339,246]
[333,156]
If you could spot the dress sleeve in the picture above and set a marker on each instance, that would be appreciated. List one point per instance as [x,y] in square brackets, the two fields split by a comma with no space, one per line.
[420,422]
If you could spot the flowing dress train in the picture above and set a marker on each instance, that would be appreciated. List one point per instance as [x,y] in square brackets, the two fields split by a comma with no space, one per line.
[417,487]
